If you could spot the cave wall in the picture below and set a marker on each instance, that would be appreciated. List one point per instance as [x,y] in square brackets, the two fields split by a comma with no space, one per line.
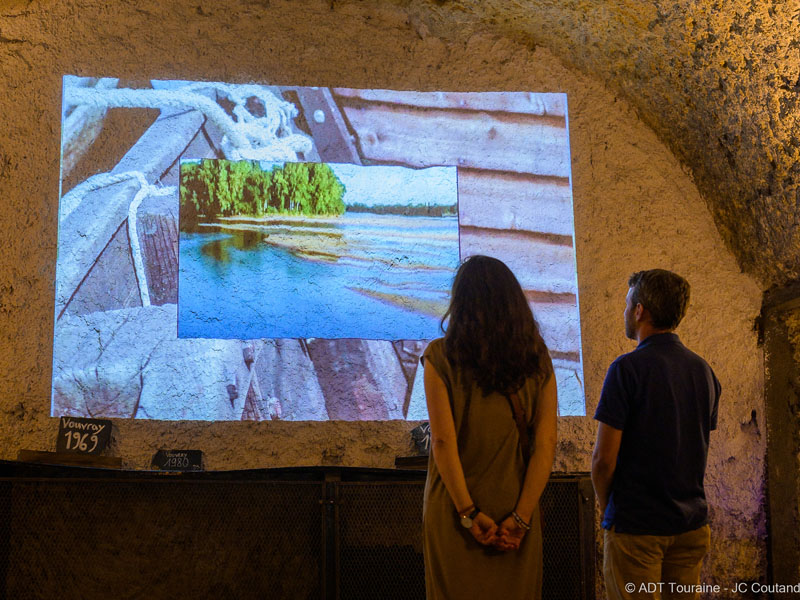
[718,80]
[636,207]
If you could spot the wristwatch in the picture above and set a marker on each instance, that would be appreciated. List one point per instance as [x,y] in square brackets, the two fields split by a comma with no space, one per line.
[466,520]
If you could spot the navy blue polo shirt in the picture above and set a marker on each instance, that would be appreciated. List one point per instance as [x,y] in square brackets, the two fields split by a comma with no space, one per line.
[664,398]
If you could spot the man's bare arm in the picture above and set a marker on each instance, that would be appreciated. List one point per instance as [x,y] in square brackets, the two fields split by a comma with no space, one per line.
[604,462]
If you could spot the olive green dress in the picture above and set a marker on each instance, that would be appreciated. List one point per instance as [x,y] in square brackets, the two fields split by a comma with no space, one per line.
[456,566]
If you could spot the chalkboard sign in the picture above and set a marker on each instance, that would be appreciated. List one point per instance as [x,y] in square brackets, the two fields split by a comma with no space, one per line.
[84,436]
[178,460]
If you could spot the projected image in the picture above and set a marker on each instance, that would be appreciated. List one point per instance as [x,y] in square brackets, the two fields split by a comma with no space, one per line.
[316,306]
[299,250]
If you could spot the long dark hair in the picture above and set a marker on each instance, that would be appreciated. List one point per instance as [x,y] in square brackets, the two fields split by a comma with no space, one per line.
[491,331]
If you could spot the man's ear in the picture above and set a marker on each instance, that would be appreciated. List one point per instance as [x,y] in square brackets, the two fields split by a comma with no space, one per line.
[639,312]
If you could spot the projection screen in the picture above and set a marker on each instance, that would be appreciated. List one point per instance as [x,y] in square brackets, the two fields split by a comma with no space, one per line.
[255,252]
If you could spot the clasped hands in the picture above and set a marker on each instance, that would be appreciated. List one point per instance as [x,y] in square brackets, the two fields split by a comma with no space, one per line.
[506,536]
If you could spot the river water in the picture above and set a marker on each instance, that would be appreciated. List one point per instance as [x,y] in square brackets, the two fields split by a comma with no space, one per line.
[357,276]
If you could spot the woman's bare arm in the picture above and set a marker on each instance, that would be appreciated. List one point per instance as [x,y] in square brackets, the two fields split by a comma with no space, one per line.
[544,448]
[444,444]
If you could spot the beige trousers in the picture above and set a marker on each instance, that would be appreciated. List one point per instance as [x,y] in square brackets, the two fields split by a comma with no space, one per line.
[654,567]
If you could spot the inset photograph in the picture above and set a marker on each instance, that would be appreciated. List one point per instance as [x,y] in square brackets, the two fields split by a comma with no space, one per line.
[315,250]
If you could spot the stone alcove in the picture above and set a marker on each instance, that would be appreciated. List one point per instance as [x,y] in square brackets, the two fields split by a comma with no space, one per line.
[684,128]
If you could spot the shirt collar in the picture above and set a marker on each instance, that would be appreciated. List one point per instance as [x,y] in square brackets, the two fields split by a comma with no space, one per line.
[659,338]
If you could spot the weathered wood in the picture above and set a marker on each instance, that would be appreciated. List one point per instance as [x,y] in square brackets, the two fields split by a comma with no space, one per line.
[408,353]
[514,201]
[569,379]
[553,105]
[89,228]
[559,326]
[85,233]
[332,140]
[111,281]
[166,138]
[427,137]
[360,379]
[194,379]
[255,408]
[82,125]
[199,147]
[538,263]
[70,458]
[99,358]
[157,227]
[287,376]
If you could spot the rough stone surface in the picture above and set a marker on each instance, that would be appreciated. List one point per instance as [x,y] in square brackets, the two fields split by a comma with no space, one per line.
[718,80]
[635,205]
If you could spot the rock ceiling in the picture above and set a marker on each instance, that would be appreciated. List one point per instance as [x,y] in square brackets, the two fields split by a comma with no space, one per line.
[719,82]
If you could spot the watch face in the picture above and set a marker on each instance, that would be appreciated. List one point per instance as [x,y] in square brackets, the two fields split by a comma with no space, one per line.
[466,522]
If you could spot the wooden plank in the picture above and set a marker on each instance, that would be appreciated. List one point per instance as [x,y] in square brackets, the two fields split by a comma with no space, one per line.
[553,105]
[99,359]
[167,137]
[427,137]
[332,140]
[538,263]
[193,379]
[157,228]
[408,353]
[361,379]
[571,392]
[514,201]
[559,324]
[81,125]
[85,233]
[313,154]
[286,377]
[111,281]
[89,228]
[72,459]
[199,147]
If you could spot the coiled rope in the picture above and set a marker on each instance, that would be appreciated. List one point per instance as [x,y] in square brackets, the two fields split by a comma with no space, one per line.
[248,138]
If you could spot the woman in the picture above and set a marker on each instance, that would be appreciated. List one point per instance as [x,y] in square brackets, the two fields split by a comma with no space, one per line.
[482,534]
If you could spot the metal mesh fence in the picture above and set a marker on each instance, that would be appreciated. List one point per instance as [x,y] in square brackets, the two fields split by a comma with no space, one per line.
[567,544]
[380,548]
[162,537]
[381,540]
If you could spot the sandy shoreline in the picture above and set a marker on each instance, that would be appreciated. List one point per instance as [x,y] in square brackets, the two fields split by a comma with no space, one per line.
[330,246]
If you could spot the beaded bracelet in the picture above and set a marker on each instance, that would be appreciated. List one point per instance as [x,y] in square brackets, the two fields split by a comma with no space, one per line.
[520,522]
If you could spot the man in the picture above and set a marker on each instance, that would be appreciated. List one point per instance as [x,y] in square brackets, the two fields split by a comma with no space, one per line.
[656,410]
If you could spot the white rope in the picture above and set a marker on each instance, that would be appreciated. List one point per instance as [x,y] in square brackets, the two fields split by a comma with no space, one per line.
[249,138]
[72,199]
[136,251]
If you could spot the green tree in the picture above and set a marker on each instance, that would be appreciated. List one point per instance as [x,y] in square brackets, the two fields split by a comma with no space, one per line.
[299,188]
[327,192]
[254,190]
[215,188]
[209,198]
[190,203]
